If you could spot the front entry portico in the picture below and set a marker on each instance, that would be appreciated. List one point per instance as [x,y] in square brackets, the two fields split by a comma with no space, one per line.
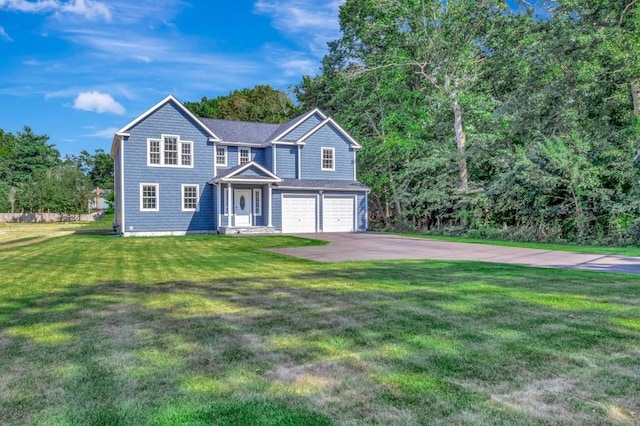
[244,199]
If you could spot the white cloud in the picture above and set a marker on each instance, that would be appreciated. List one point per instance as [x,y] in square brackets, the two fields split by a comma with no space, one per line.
[104,133]
[310,20]
[3,35]
[98,102]
[91,10]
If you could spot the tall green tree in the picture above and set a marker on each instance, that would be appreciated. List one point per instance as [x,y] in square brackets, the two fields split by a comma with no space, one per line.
[261,104]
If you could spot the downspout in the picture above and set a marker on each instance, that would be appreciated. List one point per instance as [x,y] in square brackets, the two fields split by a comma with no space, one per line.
[299,174]
[218,190]
[122,184]
[229,204]
[273,158]
[269,223]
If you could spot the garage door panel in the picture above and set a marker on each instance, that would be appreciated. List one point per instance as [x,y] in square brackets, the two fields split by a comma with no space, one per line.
[299,214]
[338,214]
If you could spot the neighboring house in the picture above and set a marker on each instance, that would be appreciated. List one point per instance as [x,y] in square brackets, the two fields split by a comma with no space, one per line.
[98,202]
[176,173]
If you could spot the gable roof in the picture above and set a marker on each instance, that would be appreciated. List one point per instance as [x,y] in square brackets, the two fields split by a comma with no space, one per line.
[287,127]
[329,121]
[240,131]
[234,174]
[169,99]
[181,107]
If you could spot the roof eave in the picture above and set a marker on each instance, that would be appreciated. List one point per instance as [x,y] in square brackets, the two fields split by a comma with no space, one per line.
[245,180]
[170,98]
[302,120]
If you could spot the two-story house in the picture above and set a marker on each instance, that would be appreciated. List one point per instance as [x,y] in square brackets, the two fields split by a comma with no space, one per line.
[176,173]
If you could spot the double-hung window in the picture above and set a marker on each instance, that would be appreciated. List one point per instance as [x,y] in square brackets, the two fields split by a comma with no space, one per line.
[221,156]
[154,151]
[149,197]
[169,151]
[327,160]
[190,195]
[244,155]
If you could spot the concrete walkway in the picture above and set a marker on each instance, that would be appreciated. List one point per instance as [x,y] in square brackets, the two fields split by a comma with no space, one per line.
[372,246]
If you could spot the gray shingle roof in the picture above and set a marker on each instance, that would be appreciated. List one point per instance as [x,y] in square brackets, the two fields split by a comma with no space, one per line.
[349,185]
[245,132]
[240,131]
[288,125]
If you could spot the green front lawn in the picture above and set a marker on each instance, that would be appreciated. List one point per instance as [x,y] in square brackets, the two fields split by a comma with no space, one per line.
[214,330]
[605,250]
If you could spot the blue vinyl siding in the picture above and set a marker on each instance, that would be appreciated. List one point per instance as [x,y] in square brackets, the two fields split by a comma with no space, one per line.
[327,137]
[268,158]
[362,212]
[118,187]
[302,128]
[286,161]
[276,209]
[251,172]
[168,119]
[232,156]
[257,155]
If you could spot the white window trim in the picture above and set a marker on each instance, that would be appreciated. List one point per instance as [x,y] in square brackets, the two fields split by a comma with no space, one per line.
[333,159]
[197,208]
[257,193]
[225,156]
[179,147]
[142,209]
[240,148]
[149,151]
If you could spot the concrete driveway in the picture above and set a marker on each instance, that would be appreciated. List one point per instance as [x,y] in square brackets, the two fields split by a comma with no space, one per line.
[372,246]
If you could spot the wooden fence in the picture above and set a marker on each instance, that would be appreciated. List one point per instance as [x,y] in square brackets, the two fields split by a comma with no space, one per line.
[48,217]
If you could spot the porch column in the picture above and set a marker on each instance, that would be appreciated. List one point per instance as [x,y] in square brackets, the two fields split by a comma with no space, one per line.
[269,201]
[218,198]
[229,198]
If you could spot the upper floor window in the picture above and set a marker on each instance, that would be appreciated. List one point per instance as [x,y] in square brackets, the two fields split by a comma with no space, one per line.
[221,156]
[327,160]
[169,151]
[244,155]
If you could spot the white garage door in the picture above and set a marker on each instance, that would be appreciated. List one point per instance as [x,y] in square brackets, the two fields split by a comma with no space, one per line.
[337,214]
[298,214]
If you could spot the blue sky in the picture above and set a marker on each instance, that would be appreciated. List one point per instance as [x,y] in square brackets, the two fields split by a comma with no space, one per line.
[77,70]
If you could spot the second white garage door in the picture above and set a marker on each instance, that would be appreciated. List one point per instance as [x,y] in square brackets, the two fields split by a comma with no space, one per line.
[299,214]
[337,214]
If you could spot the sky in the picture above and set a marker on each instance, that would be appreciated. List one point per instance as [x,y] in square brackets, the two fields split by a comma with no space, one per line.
[78,70]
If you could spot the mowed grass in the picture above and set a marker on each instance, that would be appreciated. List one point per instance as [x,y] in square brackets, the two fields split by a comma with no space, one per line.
[591,249]
[215,330]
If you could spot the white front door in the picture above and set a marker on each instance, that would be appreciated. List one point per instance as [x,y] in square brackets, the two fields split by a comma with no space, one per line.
[242,207]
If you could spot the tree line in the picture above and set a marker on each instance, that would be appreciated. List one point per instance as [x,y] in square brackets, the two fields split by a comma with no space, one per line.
[35,178]
[476,117]
[482,119]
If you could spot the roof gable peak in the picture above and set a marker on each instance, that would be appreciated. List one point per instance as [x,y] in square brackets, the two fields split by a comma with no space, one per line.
[180,106]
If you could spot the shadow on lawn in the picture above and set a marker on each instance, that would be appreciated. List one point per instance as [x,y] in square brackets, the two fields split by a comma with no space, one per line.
[366,343]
